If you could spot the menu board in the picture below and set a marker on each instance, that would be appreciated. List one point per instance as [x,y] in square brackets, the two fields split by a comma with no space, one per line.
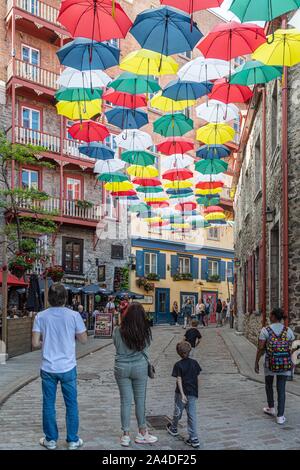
[103,325]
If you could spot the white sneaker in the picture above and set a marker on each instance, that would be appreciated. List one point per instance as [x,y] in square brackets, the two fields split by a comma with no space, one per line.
[145,438]
[51,445]
[75,445]
[269,411]
[281,419]
[125,441]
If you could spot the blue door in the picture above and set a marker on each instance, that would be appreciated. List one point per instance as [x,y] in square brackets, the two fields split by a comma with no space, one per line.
[162,306]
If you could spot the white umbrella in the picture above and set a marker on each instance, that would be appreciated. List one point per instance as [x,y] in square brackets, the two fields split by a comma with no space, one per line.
[72,78]
[180,200]
[199,178]
[134,139]
[108,166]
[176,161]
[216,111]
[202,70]
[195,218]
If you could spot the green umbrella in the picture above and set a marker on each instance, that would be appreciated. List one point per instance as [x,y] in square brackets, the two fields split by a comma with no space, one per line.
[262,10]
[208,201]
[113,177]
[149,189]
[182,196]
[78,94]
[199,224]
[135,84]
[141,207]
[135,157]
[171,125]
[173,219]
[255,72]
[211,167]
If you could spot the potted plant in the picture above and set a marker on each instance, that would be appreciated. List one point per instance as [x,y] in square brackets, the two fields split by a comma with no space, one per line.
[214,278]
[84,204]
[140,282]
[149,286]
[153,277]
[56,273]
[20,263]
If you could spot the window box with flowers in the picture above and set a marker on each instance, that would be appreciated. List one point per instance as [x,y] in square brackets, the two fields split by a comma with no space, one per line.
[183,277]
[153,277]
[144,282]
[214,278]
[56,273]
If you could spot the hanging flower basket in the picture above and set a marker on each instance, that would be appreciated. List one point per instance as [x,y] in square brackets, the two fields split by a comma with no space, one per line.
[56,273]
[20,264]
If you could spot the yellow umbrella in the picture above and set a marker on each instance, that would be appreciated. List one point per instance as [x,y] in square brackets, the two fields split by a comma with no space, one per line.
[145,62]
[142,171]
[203,192]
[180,225]
[169,106]
[155,199]
[178,184]
[215,216]
[283,51]
[119,186]
[78,110]
[215,134]
[152,219]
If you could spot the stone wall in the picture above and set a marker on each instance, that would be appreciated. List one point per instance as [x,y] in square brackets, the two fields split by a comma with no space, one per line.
[252,327]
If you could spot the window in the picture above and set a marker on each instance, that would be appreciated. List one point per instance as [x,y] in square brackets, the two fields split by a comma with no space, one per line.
[184,265]
[229,271]
[213,268]
[110,141]
[117,252]
[73,189]
[258,166]
[150,263]
[213,233]
[72,255]
[30,179]
[101,273]
[274,121]
[31,119]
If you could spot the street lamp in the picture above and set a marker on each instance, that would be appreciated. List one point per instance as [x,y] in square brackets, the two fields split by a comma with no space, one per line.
[237,262]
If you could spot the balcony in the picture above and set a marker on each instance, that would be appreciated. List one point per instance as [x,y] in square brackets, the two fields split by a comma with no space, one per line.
[32,73]
[36,8]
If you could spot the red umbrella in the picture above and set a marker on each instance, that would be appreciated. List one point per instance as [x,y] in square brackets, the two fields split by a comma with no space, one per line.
[162,223]
[210,185]
[13,280]
[227,93]
[190,6]
[175,145]
[186,206]
[157,204]
[88,131]
[229,40]
[177,174]
[212,209]
[130,192]
[126,100]
[100,20]
[147,181]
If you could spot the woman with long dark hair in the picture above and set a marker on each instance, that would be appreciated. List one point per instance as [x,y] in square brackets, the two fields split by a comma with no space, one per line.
[132,340]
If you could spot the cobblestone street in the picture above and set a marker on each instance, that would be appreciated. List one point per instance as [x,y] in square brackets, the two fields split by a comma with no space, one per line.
[229,407]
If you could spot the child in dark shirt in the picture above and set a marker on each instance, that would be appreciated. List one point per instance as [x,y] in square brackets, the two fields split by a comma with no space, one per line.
[186,372]
[193,336]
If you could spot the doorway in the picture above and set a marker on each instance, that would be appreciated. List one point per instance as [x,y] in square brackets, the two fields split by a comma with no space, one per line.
[213,296]
[162,306]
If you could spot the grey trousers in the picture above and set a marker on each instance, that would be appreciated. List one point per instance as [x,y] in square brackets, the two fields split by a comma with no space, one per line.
[191,411]
[132,382]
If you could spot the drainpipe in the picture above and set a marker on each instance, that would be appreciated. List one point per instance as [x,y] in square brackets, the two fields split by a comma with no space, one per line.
[285,197]
[264,209]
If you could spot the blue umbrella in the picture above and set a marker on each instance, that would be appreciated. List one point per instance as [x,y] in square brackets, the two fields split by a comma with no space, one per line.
[177,192]
[165,30]
[97,150]
[181,90]
[126,118]
[209,152]
[85,54]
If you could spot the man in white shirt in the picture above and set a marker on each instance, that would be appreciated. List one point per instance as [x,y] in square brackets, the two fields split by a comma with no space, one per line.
[56,330]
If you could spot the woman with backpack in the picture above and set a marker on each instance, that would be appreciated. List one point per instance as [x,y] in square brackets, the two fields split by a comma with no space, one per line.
[275,342]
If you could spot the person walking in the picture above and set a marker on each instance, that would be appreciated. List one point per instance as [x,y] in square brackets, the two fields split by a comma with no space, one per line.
[132,340]
[56,329]
[110,306]
[175,312]
[193,336]
[200,312]
[208,306]
[224,312]
[188,313]
[186,372]
[219,309]
[275,342]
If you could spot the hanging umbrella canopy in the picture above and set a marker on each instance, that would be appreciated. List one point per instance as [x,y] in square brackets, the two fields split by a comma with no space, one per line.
[216,111]
[108,166]
[215,216]
[158,204]
[165,30]
[141,158]
[283,51]
[72,78]
[100,20]
[202,70]
[210,185]
[214,134]
[267,10]
[142,171]
[227,93]
[134,84]
[98,151]
[209,199]
[88,131]
[166,105]
[174,145]
[173,125]
[141,207]
[177,175]
[179,192]
[147,181]
[190,6]
[149,189]
[85,54]
[112,177]
[186,206]
[255,72]
[126,118]
[209,178]
[146,62]
[125,100]
[78,110]
[211,167]
[177,161]
[229,40]
[78,94]
[128,193]
[178,184]
[211,209]
[161,223]
[118,186]
[181,90]
[211,152]
[134,139]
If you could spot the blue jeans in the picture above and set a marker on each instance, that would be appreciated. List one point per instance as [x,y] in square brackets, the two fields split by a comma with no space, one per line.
[280,384]
[191,411]
[68,382]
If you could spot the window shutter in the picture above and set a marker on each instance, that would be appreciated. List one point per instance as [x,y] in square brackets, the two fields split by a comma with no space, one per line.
[174,265]
[204,268]
[140,268]
[222,273]
[195,268]
[249,281]
[161,265]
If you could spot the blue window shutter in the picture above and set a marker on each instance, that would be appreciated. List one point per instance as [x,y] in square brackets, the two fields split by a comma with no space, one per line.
[204,268]
[195,268]
[161,271]
[222,272]
[140,265]
[232,271]
[174,265]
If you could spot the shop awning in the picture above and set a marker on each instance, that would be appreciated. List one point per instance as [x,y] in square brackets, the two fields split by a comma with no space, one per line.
[13,280]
